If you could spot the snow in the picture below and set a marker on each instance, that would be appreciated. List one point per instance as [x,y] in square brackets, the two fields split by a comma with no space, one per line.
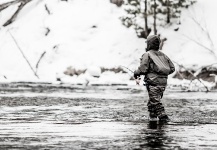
[88,34]
[94,71]
[95,38]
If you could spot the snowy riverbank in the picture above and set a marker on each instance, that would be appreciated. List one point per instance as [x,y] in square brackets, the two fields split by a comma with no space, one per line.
[94,39]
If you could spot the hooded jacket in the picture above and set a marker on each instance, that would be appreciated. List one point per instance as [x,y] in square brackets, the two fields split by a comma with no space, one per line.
[150,61]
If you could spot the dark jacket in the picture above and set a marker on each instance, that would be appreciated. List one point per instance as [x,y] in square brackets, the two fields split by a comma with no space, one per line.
[148,67]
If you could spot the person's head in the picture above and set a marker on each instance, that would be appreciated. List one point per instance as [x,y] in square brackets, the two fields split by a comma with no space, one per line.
[153,42]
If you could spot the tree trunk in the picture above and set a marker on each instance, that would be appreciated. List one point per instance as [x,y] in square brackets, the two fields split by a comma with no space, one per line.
[155,7]
[168,11]
[146,20]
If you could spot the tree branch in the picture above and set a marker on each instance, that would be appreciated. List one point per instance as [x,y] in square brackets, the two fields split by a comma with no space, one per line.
[207,90]
[204,30]
[210,50]
[6,5]
[12,19]
[42,55]
[23,54]
[47,9]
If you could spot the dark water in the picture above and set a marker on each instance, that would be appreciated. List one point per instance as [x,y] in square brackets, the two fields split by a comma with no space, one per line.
[104,118]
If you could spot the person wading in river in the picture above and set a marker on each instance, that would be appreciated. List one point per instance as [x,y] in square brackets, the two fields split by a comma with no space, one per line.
[156,67]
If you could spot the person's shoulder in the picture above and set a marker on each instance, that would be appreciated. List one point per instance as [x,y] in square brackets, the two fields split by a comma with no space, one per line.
[145,54]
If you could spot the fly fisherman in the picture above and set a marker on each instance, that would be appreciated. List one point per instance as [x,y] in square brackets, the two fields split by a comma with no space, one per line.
[156,67]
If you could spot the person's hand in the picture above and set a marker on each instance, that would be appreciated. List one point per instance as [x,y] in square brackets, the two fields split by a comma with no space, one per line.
[137,81]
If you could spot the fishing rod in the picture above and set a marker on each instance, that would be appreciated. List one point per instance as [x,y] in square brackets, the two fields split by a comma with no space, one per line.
[137,80]
[127,68]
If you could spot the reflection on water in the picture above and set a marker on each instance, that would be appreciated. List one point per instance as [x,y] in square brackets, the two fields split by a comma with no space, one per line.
[155,135]
[65,122]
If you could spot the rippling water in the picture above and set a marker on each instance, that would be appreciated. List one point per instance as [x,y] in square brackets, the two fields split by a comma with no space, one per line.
[105,118]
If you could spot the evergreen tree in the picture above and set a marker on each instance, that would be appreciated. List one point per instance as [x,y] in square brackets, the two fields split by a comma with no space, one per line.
[134,15]
[172,8]
[141,14]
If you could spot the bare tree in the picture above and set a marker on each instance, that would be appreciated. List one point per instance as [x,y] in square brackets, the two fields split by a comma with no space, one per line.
[155,17]
[195,77]
[146,20]
[202,26]
[168,10]
[13,17]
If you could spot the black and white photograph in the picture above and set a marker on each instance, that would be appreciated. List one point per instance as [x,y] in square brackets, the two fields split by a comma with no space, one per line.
[108,75]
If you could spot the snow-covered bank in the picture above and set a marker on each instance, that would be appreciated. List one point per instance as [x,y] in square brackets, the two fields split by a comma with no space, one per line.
[120,81]
[82,33]
[88,33]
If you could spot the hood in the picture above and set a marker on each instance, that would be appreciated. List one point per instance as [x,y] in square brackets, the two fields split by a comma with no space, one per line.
[153,42]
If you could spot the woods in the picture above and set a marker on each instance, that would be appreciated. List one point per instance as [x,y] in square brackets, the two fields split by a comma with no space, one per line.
[146,15]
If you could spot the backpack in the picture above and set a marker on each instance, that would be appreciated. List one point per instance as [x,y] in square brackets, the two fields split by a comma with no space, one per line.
[161,62]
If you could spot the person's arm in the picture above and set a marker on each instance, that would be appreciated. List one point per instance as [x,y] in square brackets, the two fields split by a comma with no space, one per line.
[172,67]
[144,66]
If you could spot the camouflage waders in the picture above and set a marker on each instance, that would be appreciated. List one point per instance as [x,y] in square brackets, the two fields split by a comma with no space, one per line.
[155,107]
